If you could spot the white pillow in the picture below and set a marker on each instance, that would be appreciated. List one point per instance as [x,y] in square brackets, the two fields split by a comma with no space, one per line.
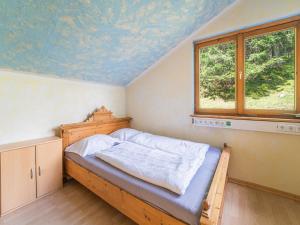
[92,144]
[125,133]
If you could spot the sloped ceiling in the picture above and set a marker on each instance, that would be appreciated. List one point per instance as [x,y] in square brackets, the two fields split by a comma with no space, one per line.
[96,40]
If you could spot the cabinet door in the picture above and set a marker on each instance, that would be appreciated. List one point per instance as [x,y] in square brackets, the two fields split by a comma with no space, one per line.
[18,184]
[49,167]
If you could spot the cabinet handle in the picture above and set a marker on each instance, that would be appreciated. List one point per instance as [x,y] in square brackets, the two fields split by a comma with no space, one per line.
[40,173]
[31,174]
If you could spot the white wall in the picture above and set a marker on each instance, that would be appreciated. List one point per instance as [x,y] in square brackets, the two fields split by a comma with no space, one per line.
[33,106]
[161,100]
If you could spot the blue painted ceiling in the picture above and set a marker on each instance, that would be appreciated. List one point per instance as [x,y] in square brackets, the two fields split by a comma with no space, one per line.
[96,40]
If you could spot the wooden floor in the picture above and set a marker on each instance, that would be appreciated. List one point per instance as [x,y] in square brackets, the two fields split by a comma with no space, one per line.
[77,206]
[246,206]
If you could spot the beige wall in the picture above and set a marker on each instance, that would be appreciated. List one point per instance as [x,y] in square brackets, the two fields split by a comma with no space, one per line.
[33,106]
[161,100]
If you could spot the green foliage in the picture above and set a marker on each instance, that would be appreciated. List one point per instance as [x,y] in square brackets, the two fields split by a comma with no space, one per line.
[217,69]
[269,62]
[269,65]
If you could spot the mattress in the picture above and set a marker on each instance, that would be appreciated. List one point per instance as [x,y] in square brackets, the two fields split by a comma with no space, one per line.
[186,207]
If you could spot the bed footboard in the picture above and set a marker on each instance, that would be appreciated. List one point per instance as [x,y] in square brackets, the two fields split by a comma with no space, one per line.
[213,204]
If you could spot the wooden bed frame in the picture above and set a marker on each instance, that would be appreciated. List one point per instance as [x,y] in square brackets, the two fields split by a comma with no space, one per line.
[103,122]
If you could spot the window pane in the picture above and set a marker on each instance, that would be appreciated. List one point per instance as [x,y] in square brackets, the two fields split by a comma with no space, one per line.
[270,71]
[217,68]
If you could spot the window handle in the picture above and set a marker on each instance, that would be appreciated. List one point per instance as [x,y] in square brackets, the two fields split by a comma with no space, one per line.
[31,173]
[40,173]
[241,74]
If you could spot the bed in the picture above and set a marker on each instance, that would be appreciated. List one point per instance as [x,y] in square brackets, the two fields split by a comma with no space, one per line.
[141,201]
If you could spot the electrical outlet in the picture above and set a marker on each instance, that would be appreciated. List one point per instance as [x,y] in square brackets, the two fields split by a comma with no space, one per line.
[273,127]
[211,123]
[291,128]
[281,127]
[288,128]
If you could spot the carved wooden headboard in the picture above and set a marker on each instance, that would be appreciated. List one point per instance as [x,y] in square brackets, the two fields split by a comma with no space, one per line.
[100,122]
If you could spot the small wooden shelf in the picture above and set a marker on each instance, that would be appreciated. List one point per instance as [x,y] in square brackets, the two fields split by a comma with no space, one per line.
[28,171]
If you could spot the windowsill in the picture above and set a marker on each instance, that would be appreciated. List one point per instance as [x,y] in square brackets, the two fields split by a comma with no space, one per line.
[253,118]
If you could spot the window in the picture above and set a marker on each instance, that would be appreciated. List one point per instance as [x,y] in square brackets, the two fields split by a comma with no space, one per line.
[250,73]
[217,70]
[270,71]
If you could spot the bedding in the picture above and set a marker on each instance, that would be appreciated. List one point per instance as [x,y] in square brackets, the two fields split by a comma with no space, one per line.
[125,134]
[171,166]
[186,207]
[92,144]
[168,144]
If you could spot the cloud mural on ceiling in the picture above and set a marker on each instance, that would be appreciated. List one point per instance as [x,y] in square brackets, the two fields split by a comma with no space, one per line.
[105,41]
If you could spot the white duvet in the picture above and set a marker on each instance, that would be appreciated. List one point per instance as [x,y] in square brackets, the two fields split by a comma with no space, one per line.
[166,162]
